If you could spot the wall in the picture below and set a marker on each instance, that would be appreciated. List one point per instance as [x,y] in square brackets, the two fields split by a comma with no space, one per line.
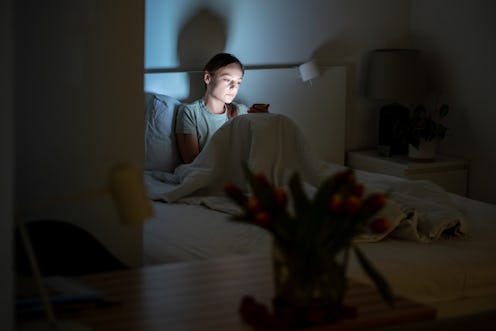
[454,35]
[6,167]
[78,101]
[458,36]
[335,32]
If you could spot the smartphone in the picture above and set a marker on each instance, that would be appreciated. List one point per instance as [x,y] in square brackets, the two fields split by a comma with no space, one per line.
[259,108]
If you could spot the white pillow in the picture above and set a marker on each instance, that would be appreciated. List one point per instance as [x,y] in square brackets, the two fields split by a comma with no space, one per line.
[161,151]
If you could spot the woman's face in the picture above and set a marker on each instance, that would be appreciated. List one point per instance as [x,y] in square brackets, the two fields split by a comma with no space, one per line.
[224,83]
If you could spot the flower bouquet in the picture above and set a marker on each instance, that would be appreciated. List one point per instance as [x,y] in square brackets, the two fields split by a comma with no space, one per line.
[312,240]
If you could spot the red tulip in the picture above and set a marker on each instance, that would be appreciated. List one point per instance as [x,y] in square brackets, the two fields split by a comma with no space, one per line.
[358,190]
[262,179]
[352,205]
[235,193]
[336,203]
[253,205]
[375,202]
[379,225]
[280,197]
[262,218]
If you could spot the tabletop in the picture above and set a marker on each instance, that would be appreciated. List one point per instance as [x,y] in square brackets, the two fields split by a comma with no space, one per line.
[206,295]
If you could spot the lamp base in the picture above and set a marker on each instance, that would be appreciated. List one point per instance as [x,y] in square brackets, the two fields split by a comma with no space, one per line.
[393,126]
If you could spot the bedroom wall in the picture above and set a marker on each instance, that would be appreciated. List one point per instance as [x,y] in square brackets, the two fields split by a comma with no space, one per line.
[341,32]
[6,168]
[459,37]
[78,99]
[334,32]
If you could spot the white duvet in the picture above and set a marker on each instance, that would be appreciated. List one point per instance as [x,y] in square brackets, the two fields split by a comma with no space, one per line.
[273,144]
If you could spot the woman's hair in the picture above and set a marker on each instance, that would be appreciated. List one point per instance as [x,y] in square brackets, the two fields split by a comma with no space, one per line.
[218,61]
[221,60]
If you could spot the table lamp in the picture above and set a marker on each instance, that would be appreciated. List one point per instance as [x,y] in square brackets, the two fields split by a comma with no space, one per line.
[396,77]
[127,189]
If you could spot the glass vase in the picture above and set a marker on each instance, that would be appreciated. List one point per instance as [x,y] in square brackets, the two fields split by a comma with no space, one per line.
[309,290]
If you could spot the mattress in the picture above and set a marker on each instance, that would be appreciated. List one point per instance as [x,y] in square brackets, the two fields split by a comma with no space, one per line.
[457,276]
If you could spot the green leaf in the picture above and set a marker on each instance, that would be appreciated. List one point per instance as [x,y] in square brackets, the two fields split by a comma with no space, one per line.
[443,111]
[263,191]
[300,199]
[331,186]
[380,283]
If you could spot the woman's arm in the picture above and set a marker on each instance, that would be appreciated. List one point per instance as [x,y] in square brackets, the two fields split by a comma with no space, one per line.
[188,146]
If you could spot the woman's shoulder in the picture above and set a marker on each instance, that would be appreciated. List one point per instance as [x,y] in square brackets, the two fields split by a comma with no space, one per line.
[190,107]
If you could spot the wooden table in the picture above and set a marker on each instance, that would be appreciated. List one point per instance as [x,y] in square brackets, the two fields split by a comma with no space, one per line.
[205,295]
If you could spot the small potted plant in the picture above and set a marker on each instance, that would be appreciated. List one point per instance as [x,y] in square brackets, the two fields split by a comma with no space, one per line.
[425,131]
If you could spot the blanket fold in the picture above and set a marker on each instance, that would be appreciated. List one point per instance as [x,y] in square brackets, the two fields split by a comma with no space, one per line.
[273,144]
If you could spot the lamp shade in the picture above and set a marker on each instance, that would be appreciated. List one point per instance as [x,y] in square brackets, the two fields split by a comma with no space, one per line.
[396,75]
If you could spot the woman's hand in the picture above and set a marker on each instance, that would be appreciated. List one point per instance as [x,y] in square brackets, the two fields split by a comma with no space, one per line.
[259,108]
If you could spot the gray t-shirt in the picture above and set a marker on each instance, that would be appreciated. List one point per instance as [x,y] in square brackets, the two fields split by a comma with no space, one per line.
[194,118]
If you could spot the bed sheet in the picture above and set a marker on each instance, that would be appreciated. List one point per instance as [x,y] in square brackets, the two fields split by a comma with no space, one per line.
[182,232]
[454,275]
[273,144]
[422,265]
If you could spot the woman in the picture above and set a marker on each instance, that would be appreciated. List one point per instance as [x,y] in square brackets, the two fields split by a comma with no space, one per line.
[197,122]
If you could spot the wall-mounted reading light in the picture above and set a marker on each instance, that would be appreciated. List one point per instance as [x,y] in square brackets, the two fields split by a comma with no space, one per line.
[308,70]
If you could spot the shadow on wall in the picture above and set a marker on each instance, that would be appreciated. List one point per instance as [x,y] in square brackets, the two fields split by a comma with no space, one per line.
[338,52]
[360,110]
[201,37]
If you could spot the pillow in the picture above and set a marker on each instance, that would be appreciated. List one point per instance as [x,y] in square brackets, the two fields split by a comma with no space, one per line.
[161,151]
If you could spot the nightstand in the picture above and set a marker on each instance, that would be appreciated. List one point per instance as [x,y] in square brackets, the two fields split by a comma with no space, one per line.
[446,171]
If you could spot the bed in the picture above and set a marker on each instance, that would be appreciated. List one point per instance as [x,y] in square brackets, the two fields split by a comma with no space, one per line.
[441,250]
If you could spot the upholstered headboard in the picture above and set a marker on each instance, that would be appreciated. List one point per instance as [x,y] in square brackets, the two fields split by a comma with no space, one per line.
[318,108]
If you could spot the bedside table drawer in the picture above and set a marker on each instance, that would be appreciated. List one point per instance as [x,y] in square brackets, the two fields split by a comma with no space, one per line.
[448,172]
